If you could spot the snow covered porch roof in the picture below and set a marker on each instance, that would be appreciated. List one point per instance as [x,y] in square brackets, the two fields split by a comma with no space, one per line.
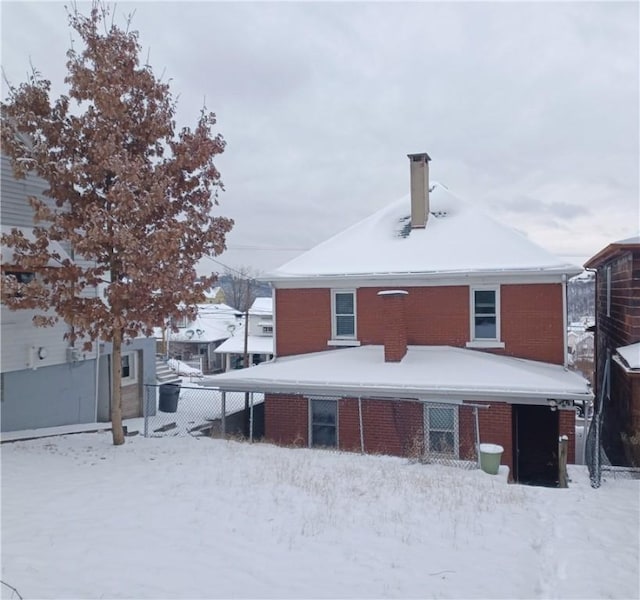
[430,372]
[256,344]
[630,356]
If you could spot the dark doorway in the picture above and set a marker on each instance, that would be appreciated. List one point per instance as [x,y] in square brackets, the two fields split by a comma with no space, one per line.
[535,437]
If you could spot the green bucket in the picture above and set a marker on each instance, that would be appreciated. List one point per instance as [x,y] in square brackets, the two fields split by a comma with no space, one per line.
[490,455]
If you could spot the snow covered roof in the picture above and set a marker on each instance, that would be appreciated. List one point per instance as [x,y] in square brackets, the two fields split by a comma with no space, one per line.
[458,239]
[256,344]
[441,372]
[262,306]
[608,252]
[631,355]
[214,322]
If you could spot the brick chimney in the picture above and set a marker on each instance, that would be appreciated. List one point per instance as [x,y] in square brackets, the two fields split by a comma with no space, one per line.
[395,333]
[419,167]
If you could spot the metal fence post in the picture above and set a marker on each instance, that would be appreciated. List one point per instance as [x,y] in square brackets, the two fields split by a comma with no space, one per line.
[251,419]
[223,420]
[147,398]
[475,414]
[360,423]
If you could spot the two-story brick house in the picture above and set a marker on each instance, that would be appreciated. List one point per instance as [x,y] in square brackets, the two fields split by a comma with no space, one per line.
[408,318]
[617,270]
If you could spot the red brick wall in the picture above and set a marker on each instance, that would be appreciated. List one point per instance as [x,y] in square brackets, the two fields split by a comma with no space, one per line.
[303,321]
[567,426]
[434,315]
[286,419]
[496,427]
[532,322]
[392,427]
[531,319]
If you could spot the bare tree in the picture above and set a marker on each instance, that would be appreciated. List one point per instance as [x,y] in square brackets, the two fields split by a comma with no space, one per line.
[242,287]
[134,198]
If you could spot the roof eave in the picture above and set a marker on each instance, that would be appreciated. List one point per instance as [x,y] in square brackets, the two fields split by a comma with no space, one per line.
[608,253]
[568,270]
[355,390]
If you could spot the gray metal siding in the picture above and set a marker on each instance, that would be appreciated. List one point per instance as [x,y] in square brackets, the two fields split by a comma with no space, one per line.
[48,397]
[15,209]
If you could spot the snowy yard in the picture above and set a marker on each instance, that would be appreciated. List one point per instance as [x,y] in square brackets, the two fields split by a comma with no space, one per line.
[188,517]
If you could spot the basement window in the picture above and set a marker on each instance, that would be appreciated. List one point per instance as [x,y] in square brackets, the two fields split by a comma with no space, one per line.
[441,430]
[323,426]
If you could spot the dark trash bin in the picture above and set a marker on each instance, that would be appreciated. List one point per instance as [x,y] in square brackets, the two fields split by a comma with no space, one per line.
[169,394]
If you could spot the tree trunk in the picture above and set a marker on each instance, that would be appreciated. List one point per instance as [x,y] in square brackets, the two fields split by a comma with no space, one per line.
[116,390]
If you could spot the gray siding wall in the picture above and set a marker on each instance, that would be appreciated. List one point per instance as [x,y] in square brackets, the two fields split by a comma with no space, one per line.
[15,209]
[147,346]
[48,397]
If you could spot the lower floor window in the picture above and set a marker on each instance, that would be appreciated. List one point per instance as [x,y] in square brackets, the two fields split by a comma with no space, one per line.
[129,368]
[441,430]
[323,415]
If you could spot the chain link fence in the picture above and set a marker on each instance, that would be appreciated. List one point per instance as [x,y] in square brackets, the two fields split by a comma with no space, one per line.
[425,432]
[421,431]
[198,410]
[594,455]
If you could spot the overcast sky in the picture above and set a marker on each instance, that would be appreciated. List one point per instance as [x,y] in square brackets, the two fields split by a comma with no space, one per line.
[530,110]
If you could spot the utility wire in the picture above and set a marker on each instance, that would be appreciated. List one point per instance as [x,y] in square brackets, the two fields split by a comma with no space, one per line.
[240,273]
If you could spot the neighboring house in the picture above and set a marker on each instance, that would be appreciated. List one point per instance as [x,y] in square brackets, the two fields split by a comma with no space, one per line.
[259,339]
[214,296]
[44,382]
[387,333]
[195,341]
[618,345]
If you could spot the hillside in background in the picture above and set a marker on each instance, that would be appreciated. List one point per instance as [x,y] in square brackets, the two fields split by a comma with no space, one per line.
[581,297]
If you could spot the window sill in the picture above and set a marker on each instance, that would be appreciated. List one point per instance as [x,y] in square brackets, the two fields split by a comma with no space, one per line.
[485,344]
[343,343]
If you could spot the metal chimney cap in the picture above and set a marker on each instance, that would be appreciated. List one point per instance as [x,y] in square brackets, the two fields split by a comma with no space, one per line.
[419,156]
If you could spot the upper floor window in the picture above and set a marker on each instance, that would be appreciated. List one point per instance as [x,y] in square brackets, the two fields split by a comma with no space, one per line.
[19,279]
[485,314]
[343,309]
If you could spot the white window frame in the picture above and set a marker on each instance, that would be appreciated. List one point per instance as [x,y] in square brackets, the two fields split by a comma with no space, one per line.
[476,342]
[456,431]
[133,367]
[311,399]
[334,316]
[180,322]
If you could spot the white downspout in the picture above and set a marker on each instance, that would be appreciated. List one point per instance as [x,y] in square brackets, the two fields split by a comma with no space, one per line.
[273,317]
[565,335]
[97,377]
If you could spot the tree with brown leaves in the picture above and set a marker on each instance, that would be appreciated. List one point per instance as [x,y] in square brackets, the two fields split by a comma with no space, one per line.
[133,198]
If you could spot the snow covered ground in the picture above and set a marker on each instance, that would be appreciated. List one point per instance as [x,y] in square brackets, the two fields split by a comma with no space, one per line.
[185,517]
